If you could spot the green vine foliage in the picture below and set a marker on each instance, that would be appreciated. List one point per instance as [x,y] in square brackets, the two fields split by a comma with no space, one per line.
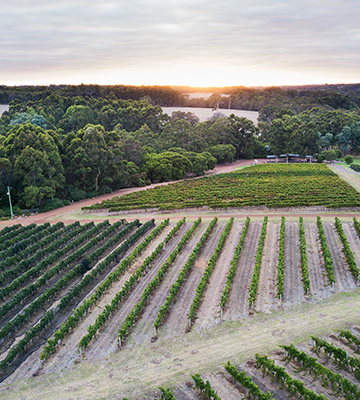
[207,273]
[127,287]
[295,387]
[256,274]
[329,267]
[246,382]
[337,383]
[233,266]
[72,321]
[205,388]
[281,260]
[351,338]
[154,284]
[349,255]
[303,257]
[164,309]
[42,259]
[340,356]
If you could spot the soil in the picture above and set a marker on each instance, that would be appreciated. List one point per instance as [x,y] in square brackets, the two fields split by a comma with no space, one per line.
[293,286]
[144,329]
[209,312]
[105,372]
[344,279]
[186,392]
[224,387]
[237,305]
[266,299]
[177,321]
[319,283]
[105,342]
[65,357]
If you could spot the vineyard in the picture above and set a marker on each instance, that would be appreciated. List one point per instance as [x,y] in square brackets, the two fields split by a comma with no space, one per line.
[86,291]
[317,370]
[279,185]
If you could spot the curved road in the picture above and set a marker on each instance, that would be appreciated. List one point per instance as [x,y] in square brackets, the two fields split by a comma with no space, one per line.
[72,208]
[70,213]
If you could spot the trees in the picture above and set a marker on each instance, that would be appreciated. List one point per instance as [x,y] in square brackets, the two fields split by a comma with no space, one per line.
[242,136]
[224,153]
[284,135]
[36,163]
[166,166]
[96,151]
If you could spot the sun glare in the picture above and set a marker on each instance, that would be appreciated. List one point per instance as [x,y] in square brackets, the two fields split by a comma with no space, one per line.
[181,75]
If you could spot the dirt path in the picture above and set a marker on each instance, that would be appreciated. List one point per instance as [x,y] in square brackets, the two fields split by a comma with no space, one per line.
[350,176]
[177,320]
[319,284]
[266,299]
[209,312]
[293,286]
[237,306]
[73,212]
[58,214]
[340,168]
[344,279]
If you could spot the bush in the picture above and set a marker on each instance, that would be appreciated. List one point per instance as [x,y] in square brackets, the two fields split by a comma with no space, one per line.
[349,159]
[338,153]
[51,204]
[355,167]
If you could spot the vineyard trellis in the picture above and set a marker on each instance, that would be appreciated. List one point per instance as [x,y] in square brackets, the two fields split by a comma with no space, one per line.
[64,259]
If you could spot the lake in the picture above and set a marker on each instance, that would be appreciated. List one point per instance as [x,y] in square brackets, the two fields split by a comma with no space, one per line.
[205,113]
[3,107]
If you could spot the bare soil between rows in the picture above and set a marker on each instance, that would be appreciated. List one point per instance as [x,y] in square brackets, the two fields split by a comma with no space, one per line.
[139,367]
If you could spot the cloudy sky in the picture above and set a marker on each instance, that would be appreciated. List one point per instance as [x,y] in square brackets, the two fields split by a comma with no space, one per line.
[172,42]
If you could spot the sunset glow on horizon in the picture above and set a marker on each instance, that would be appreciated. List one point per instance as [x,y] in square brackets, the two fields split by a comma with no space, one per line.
[193,43]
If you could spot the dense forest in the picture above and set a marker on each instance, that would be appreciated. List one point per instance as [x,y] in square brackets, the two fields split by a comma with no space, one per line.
[65,143]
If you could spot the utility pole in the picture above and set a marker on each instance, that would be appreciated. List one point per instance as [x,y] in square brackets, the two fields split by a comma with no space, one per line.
[11,210]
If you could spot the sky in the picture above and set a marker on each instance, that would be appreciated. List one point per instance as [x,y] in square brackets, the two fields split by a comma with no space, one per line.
[171,42]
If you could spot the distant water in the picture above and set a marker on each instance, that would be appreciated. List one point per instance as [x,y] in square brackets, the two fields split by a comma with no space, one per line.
[205,113]
[3,107]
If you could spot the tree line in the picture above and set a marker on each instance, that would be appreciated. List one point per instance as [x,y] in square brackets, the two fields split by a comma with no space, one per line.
[65,143]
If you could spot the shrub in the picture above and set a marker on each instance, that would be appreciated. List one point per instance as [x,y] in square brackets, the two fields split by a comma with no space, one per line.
[349,159]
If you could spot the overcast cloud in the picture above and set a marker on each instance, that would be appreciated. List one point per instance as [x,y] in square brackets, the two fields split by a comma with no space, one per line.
[179,42]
